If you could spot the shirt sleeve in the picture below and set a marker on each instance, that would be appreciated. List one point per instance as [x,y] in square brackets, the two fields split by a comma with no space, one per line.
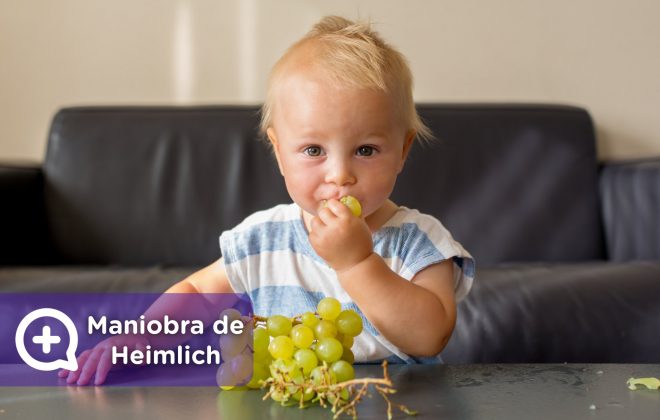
[426,242]
[421,242]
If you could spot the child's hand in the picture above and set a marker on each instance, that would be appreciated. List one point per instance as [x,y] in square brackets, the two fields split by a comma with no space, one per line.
[339,237]
[98,361]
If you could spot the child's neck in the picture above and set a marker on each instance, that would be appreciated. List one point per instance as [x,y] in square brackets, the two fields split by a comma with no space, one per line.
[375,220]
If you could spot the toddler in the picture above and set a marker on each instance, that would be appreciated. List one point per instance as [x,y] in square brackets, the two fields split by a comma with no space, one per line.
[340,118]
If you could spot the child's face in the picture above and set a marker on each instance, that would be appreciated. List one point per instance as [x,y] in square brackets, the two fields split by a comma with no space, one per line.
[331,142]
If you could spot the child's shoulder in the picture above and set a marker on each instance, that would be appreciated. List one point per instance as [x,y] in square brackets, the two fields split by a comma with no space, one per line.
[405,215]
[412,224]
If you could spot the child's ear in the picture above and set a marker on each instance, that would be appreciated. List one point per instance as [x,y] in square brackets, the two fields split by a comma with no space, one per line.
[407,144]
[273,141]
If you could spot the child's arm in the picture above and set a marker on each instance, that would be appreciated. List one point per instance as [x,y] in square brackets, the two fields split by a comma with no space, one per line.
[97,361]
[417,316]
[210,279]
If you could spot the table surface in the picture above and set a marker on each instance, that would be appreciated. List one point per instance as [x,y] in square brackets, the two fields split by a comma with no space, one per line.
[502,391]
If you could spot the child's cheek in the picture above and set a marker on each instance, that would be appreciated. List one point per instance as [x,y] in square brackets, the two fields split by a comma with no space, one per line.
[375,198]
[302,190]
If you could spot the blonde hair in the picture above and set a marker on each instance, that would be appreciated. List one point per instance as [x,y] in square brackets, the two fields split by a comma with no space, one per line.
[353,55]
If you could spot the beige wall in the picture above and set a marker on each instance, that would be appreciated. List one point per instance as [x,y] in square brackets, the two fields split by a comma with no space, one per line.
[600,54]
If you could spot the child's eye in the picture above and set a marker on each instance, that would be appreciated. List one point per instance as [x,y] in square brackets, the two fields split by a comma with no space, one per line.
[313,151]
[365,151]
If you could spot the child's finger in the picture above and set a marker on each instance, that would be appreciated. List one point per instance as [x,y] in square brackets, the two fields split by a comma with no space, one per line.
[103,368]
[90,366]
[338,208]
[326,215]
[62,373]
[74,374]
[141,347]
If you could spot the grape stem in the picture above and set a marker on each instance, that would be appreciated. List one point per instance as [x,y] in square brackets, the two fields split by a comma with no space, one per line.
[258,319]
[326,393]
[282,384]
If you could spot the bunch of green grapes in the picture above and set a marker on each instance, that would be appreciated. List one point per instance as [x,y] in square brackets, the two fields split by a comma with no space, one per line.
[318,348]
[312,347]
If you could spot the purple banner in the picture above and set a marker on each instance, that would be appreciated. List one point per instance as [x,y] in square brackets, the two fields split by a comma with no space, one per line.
[139,339]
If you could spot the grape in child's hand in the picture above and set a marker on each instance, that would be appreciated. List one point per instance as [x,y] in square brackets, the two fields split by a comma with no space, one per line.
[351,202]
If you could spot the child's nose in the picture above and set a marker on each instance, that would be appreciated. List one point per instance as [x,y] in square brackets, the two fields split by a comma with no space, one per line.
[339,173]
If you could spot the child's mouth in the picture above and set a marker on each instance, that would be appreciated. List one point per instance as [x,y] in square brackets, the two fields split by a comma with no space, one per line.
[349,201]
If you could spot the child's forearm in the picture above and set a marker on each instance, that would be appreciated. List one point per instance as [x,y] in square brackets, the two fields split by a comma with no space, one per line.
[176,307]
[160,308]
[409,316]
[184,286]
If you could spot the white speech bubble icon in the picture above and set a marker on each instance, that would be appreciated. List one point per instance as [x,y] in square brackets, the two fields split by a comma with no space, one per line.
[70,363]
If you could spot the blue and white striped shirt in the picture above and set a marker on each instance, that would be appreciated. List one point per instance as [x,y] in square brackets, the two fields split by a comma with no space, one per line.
[269,256]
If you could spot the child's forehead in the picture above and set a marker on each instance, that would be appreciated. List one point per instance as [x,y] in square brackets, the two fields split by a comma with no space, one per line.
[319,113]
[308,83]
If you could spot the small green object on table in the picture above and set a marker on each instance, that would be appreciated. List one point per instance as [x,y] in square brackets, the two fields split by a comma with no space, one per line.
[650,383]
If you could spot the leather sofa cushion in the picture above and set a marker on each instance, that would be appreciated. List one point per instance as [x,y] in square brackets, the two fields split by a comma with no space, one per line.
[90,279]
[554,313]
[630,195]
[523,313]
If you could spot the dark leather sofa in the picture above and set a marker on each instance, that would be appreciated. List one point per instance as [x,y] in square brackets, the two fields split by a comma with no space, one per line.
[567,248]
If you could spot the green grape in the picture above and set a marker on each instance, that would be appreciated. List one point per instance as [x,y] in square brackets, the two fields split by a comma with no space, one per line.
[325,329]
[343,394]
[322,376]
[225,375]
[231,345]
[232,314]
[233,388]
[348,355]
[259,373]
[297,377]
[261,339]
[329,349]
[302,336]
[263,356]
[277,395]
[306,359]
[308,395]
[284,366]
[353,204]
[309,319]
[345,340]
[241,366]
[349,323]
[278,325]
[343,370]
[328,308]
[281,347]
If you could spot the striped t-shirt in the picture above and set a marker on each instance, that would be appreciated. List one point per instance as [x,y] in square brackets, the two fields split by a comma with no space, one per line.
[269,257]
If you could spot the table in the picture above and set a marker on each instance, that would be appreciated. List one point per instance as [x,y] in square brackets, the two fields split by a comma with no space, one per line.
[500,391]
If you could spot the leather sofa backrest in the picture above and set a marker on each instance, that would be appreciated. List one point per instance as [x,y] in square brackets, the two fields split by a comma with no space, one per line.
[157,185]
[141,186]
[512,183]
